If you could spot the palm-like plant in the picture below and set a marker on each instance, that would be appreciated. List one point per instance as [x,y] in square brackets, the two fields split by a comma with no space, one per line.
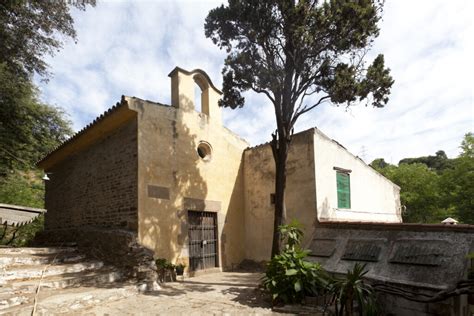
[353,288]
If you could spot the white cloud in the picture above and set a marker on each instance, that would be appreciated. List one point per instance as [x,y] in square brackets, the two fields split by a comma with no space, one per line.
[130,47]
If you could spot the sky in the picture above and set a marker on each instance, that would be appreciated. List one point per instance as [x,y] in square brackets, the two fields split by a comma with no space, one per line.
[129,48]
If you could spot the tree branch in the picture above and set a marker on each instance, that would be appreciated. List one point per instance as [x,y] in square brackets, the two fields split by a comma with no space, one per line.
[264,92]
[307,109]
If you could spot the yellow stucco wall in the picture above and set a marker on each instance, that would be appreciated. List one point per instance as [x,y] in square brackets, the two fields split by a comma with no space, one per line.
[168,137]
[259,182]
[373,197]
[236,182]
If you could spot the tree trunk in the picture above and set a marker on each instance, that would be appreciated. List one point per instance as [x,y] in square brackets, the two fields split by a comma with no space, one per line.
[280,148]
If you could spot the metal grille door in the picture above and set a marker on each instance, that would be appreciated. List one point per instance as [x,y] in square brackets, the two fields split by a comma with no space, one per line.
[202,228]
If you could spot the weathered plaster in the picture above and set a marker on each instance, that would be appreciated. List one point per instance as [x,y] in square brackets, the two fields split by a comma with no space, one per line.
[373,197]
[259,175]
[168,137]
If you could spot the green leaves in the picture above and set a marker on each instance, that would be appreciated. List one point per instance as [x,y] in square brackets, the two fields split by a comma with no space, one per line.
[31,29]
[291,272]
[289,50]
[291,234]
[299,54]
[352,288]
[289,276]
[434,187]
[298,286]
[28,128]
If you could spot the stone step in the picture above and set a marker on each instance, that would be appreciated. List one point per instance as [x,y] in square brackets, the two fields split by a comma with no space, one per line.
[24,292]
[20,272]
[32,259]
[35,251]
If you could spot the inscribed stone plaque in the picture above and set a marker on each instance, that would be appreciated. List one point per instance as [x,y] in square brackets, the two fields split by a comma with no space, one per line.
[419,252]
[362,250]
[158,192]
[201,205]
[322,247]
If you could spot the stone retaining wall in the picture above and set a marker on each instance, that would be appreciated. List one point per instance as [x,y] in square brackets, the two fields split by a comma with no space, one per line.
[417,257]
[113,246]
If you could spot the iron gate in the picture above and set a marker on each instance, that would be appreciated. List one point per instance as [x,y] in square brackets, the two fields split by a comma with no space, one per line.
[203,246]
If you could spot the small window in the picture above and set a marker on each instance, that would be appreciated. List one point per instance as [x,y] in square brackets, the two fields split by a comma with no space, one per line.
[343,190]
[204,151]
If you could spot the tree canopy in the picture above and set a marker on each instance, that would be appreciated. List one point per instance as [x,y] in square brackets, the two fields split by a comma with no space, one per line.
[435,187]
[299,54]
[438,162]
[28,128]
[31,29]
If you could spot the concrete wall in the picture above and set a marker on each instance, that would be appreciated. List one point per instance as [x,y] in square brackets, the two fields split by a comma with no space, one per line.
[373,197]
[98,186]
[259,179]
[173,179]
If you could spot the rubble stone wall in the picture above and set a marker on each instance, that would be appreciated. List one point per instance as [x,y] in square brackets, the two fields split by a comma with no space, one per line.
[98,186]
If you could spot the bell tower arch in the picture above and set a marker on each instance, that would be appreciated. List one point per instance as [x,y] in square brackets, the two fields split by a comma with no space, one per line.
[183,92]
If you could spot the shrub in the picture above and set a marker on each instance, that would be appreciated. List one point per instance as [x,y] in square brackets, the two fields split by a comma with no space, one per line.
[21,236]
[289,277]
[352,288]
[470,272]
[163,264]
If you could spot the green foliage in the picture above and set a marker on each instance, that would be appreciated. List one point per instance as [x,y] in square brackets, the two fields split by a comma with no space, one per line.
[163,264]
[27,189]
[419,192]
[470,271]
[289,277]
[291,234]
[21,236]
[301,46]
[28,128]
[457,189]
[439,162]
[299,54]
[435,187]
[353,288]
[467,146]
[22,188]
[31,29]
[379,163]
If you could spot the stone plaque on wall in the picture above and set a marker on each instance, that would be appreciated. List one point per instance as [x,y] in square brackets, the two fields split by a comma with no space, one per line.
[201,205]
[322,247]
[158,192]
[419,252]
[362,250]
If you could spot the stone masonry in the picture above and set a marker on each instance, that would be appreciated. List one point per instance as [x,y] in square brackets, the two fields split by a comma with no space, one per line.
[97,187]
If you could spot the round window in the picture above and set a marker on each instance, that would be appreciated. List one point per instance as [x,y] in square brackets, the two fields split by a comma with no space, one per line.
[204,151]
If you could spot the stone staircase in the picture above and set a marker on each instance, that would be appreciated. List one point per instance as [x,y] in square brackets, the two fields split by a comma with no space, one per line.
[22,270]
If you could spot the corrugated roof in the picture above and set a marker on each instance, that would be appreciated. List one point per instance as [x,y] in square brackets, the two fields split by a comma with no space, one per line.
[15,215]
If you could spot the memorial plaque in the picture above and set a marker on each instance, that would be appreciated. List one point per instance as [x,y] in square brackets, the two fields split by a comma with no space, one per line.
[362,250]
[158,192]
[322,247]
[417,252]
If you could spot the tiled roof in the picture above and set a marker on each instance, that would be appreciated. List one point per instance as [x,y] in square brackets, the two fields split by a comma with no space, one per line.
[95,122]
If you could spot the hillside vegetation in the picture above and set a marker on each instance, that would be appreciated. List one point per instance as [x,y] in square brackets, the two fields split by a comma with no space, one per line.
[435,187]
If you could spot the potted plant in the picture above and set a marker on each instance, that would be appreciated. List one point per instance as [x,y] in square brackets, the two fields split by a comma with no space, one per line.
[165,270]
[180,268]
